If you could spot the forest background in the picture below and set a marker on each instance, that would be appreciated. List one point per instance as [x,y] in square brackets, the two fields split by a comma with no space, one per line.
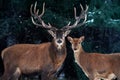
[101,31]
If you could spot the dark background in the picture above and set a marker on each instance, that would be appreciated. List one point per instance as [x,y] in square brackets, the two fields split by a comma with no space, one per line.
[101,31]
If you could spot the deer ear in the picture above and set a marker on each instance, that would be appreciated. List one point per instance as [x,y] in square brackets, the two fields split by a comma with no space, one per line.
[69,38]
[82,38]
[52,33]
[67,32]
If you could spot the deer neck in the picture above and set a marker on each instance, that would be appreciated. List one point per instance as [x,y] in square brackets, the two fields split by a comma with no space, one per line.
[79,54]
[57,54]
[81,58]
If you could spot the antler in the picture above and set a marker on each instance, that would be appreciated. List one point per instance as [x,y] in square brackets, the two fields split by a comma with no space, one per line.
[83,15]
[35,15]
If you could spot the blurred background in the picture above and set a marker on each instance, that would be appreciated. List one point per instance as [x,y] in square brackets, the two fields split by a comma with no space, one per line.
[101,31]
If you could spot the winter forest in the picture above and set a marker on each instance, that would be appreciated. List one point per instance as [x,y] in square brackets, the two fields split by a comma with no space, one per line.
[101,30]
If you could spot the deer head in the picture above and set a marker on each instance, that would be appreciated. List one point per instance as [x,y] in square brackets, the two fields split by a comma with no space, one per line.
[58,34]
[76,42]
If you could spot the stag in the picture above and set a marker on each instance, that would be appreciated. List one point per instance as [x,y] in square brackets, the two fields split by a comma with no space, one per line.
[45,58]
[96,66]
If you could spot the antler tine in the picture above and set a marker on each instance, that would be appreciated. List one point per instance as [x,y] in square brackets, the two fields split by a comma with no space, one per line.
[35,7]
[81,7]
[86,8]
[69,23]
[83,15]
[35,15]
[37,12]
[65,27]
[75,13]
[43,10]
[35,22]
[31,9]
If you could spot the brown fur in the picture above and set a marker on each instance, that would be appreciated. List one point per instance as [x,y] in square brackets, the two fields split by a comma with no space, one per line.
[105,65]
[30,58]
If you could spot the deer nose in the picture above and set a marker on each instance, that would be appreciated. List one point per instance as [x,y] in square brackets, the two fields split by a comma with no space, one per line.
[59,41]
[75,48]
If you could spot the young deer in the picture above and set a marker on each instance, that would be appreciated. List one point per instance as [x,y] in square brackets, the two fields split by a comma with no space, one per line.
[46,58]
[96,66]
